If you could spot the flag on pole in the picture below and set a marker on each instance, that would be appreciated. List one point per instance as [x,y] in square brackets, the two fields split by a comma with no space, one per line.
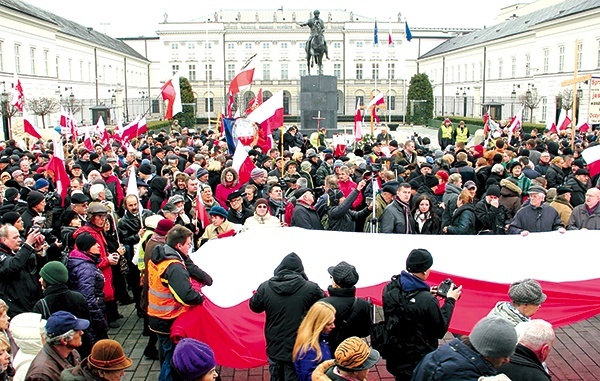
[201,214]
[57,165]
[375,36]
[583,127]
[243,78]
[171,93]
[142,126]
[517,121]
[486,122]
[228,129]
[591,155]
[390,39]
[87,141]
[358,122]
[550,125]
[407,32]
[255,102]
[242,163]
[29,127]
[376,101]
[18,95]
[563,120]
[269,117]
[374,114]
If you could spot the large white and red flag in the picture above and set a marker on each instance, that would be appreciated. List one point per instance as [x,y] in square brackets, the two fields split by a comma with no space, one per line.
[376,101]
[57,165]
[358,122]
[29,127]
[242,80]
[171,93]
[564,121]
[236,334]
[132,130]
[18,95]
[269,117]
[591,155]
[550,125]
[242,163]
[517,121]
[87,141]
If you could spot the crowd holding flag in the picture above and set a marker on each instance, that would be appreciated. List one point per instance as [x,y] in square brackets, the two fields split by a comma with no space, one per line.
[243,79]
[57,165]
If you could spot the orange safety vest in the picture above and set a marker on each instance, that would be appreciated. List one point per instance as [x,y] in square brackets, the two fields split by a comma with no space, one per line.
[161,301]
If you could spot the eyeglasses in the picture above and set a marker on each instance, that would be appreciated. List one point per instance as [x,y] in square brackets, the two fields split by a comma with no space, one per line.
[261,207]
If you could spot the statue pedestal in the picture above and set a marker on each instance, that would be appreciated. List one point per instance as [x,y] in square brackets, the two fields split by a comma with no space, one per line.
[318,96]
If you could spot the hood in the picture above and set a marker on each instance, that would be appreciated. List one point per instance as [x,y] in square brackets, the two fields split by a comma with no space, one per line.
[26,329]
[453,189]
[514,188]
[158,184]
[162,252]
[291,263]
[235,176]
[410,283]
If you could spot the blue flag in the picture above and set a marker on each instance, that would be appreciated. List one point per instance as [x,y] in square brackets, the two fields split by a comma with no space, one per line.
[228,128]
[375,36]
[407,31]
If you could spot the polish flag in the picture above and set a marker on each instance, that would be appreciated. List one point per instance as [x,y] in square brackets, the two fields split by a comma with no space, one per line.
[550,125]
[517,121]
[244,77]
[236,334]
[57,165]
[64,116]
[269,116]
[374,115]
[358,122]
[132,129]
[242,163]
[583,127]
[87,141]
[171,93]
[142,126]
[255,102]
[29,127]
[339,144]
[376,101]
[563,120]
[18,95]
[201,213]
[591,155]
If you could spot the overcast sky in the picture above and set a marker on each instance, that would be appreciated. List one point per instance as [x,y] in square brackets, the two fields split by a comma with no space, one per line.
[132,18]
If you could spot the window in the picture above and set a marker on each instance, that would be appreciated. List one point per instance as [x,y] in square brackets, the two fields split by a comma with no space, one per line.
[359,44]
[360,99]
[266,72]
[391,102]
[89,71]
[284,45]
[391,70]
[472,72]
[191,46]
[17,58]
[248,45]
[46,63]
[452,74]
[375,71]
[208,105]
[192,72]
[500,64]
[208,45]
[174,68]
[32,60]
[56,61]
[579,54]
[81,70]
[230,71]
[458,73]
[209,73]
[230,46]
[480,70]
[544,108]
[337,45]
[284,71]
[2,55]
[174,46]
[359,71]
[561,58]
[546,56]
[527,65]
[597,60]
[266,45]
[302,69]
[337,70]
[466,73]
[513,67]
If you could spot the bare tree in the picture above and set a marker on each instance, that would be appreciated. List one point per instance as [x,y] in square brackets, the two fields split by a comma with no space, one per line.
[42,106]
[6,109]
[566,99]
[531,100]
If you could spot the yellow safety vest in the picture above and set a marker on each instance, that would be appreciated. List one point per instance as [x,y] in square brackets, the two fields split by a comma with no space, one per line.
[447,131]
[461,134]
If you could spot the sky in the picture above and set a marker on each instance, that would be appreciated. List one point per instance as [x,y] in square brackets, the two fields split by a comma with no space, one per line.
[133,18]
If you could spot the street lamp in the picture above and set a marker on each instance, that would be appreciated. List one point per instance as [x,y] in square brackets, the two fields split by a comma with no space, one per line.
[579,92]
[513,98]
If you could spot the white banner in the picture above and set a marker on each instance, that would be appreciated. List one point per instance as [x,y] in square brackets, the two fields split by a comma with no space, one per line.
[594,105]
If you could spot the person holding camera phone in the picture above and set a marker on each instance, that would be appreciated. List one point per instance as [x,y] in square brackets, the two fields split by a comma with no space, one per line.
[414,320]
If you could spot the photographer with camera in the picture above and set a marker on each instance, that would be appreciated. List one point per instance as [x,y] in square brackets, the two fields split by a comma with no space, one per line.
[414,320]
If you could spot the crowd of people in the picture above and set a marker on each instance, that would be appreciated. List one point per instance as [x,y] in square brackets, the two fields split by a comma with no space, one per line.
[103,246]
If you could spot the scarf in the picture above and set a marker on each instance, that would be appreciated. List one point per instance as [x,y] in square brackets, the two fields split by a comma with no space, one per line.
[407,215]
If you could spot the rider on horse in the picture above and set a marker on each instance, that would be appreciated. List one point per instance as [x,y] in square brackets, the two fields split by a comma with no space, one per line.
[317,26]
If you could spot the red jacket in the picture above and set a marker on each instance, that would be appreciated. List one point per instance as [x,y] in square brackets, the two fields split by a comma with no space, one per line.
[348,186]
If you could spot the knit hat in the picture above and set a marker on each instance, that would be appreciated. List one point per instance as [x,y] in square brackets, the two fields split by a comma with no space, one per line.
[108,355]
[493,190]
[40,183]
[418,261]
[353,354]
[497,168]
[526,291]
[146,169]
[10,194]
[261,201]
[17,173]
[193,359]
[163,227]
[54,272]
[106,168]
[62,322]
[201,172]
[537,189]
[389,188]
[328,156]
[10,218]
[34,198]
[494,337]
[256,173]
[344,274]
[305,166]
[85,241]
[431,181]
[218,211]
[94,156]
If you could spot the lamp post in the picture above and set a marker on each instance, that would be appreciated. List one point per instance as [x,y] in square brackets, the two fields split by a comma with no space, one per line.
[4,103]
[456,106]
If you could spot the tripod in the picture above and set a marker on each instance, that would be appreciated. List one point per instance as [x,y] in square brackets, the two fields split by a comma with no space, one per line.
[374,220]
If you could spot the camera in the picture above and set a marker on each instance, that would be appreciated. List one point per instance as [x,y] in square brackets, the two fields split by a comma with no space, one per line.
[444,287]
[38,225]
[374,167]
[52,200]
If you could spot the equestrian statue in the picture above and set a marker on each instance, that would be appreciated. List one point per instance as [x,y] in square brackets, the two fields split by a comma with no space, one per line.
[316,46]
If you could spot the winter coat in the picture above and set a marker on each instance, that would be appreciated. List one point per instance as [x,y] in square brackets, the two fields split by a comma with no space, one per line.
[554,176]
[305,216]
[307,362]
[524,365]
[396,218]
[285,298]
[414,320]
[523,182]
[542,169]
[79,373]
[268,221]
[578,190]
[465,171]
[453,361]
[48,364]
[489,219]
[19,280]
[104,265]
[463,221]
[583,218]
[347,187]
[449,199]
[432,224]
[86,278]
[510,197]
[28,337]
[224,189]
[564,209]
[241,218]
[323,171]
[341,216]
[158,187]
[535,219]
[352,315]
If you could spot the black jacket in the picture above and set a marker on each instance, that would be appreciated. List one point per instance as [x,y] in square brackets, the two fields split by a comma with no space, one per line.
[554,176]
[19,280]
[306,217]
[578,190]
[285,298]
[415,322]
[239,219]
[524,366]
[341,216]
[491,220]
[352,315]
[463,220]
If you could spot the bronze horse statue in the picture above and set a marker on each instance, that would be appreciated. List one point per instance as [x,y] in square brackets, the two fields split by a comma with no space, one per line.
[315,52]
